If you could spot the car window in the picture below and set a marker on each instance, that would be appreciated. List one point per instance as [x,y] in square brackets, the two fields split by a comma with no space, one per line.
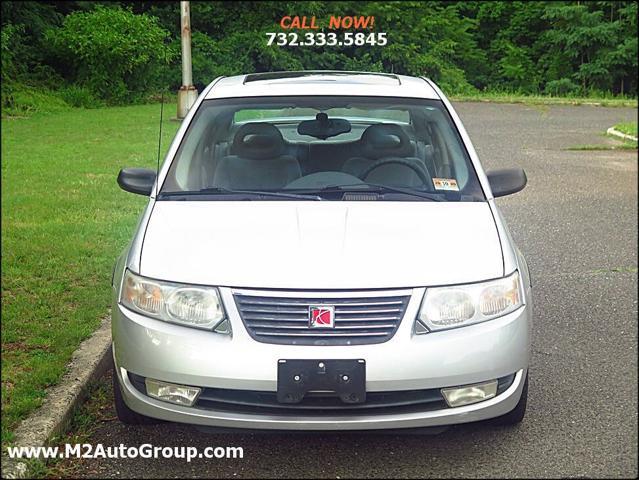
[324,146]
[254,114]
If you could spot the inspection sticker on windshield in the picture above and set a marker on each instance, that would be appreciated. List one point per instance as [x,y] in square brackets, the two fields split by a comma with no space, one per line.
[445,184]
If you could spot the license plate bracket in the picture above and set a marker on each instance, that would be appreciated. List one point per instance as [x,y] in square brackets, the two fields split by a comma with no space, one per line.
[347,378]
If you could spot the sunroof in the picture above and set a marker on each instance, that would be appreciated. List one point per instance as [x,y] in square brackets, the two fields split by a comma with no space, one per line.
[256,77]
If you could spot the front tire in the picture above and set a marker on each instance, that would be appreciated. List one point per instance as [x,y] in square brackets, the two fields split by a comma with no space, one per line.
[517,414]
[125,414]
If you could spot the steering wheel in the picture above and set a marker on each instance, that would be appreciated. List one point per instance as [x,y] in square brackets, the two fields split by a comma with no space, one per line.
[426,180]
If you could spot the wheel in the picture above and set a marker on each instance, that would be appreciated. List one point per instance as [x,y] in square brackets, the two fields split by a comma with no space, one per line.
[516,415]
[426,180]
[125,414]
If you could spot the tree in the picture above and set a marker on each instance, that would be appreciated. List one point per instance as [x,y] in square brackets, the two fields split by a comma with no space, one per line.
[116,48]
[110,50]
[585,45]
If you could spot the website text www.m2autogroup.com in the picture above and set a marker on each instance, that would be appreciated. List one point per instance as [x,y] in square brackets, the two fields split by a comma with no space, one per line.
[146,450]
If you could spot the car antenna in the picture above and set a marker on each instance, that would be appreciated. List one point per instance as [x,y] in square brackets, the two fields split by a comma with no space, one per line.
[157,171]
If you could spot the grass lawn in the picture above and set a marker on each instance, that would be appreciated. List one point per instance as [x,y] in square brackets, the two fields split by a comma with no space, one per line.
[602,146]
[614,142]
[64,221]
[91,415]
[544,99]
[629,128]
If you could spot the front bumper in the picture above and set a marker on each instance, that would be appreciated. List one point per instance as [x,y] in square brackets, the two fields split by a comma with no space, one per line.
[172,353]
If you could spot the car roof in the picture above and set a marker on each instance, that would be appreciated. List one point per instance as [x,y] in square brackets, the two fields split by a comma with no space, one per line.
[318,82]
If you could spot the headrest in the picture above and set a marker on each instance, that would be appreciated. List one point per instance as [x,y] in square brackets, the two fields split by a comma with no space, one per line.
[258,141]
[385,140]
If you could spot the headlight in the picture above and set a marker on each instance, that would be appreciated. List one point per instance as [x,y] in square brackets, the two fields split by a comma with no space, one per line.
[450,307]
[189,305]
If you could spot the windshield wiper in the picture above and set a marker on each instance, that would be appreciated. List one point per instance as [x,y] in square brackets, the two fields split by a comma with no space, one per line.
[379,188]
[230,191]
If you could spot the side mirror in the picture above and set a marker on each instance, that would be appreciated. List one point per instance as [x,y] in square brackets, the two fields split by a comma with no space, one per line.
[137,180]
[506,181]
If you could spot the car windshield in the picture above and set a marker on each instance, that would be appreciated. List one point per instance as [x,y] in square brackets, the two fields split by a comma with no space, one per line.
[322,148]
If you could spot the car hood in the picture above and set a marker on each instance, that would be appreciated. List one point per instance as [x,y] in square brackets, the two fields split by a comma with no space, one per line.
[321,245]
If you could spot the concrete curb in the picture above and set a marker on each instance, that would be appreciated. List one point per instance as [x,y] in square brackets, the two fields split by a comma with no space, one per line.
[617,133]
[89,363]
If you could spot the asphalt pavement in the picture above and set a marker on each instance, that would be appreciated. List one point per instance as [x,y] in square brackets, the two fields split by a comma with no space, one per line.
[576,222]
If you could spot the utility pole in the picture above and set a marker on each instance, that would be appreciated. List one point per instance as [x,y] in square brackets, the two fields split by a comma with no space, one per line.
[187,94]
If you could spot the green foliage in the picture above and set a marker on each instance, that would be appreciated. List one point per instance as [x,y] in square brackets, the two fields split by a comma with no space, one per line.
[77,96]
[629,128]
[516,68]
[595,47]
[115,49]
[23,26]
[443,45]
[564,87]
[22,100]
[9,40]
[111,51]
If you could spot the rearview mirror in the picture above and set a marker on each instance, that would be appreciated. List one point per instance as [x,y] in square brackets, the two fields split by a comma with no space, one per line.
[506,181]
[137,180]
[323,127]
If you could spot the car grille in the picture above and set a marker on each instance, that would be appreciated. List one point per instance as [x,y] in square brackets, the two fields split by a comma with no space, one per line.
[319,404]
[358,320]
